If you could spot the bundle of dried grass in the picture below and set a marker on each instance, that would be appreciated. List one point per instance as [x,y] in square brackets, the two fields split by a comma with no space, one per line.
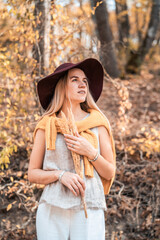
[69,127]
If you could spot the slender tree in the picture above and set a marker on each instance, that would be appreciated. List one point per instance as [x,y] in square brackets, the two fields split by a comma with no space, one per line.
[122,20]
[52,27]
[41,50]
[136,58]
[104,34]
[47,28]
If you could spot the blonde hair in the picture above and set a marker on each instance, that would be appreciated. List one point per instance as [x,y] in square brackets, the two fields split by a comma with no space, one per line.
[59,97]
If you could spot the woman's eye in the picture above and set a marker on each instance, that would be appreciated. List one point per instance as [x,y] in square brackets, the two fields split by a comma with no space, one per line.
[85,81]
[74,80]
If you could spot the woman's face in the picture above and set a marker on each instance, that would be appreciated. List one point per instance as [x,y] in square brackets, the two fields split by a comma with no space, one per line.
[76,85]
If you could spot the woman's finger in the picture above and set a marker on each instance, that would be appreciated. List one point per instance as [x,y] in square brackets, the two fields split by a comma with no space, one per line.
[74,183]
[67,136]
[72,190]
[81,181]
[73,146]
[77,134]
[71,141]
[80,188]
[73,149]
[76,188]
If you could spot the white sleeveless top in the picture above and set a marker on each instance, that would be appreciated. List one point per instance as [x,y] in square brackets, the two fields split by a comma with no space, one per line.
[59,195]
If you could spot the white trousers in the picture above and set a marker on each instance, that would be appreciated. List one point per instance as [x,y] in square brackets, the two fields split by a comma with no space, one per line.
[53,223]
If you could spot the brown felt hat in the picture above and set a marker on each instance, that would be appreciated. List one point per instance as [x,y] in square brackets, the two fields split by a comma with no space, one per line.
[92,69]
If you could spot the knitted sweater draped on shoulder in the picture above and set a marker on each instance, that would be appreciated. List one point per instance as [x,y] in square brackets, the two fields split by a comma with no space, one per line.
[49,124]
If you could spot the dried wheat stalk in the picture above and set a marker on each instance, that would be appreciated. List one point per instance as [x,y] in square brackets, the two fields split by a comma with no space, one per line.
[78,162]
[68,126]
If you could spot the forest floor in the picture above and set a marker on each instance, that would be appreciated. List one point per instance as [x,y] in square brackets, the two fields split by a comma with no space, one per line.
[133,203]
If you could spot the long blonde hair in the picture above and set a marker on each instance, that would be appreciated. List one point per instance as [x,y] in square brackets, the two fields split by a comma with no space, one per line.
[60,95]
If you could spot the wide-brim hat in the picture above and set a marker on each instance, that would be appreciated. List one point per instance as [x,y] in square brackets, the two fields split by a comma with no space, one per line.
[92,69]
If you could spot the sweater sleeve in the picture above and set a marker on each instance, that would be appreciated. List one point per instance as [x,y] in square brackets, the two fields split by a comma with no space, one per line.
[108,183]
[40,125]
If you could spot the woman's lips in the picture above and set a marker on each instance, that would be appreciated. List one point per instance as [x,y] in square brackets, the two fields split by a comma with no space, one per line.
[82,92]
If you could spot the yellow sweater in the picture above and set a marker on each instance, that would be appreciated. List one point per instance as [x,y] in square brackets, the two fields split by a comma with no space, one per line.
[95,119]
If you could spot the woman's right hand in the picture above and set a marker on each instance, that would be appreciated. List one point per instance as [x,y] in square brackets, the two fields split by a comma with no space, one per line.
[74,182]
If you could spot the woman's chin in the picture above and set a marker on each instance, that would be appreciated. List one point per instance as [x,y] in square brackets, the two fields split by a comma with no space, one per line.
[79,100]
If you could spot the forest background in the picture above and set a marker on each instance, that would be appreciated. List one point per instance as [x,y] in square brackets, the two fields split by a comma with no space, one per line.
[37,36]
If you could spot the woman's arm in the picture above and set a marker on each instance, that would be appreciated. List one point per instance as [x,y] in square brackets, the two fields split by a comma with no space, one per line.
[35,172]
[105,162]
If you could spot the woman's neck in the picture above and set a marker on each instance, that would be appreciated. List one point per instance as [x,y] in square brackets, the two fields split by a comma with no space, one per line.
[78,113]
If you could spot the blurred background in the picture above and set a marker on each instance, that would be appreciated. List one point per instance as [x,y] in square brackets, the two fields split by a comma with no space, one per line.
[35,37]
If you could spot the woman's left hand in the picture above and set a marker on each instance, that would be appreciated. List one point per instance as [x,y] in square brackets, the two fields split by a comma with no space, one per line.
[80,145]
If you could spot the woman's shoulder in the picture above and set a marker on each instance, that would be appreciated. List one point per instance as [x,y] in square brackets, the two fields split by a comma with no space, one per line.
[98,114]
[42,121]
[41,124]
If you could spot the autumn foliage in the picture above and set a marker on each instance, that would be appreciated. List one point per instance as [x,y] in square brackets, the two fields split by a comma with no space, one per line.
[131,105]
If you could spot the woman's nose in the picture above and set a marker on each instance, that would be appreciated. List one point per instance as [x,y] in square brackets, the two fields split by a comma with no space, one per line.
[82,84]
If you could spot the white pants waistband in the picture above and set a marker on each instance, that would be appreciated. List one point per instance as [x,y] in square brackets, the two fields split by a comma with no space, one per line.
[53,223]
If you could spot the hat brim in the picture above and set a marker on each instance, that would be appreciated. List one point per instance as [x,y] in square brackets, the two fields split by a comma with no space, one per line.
[92,69]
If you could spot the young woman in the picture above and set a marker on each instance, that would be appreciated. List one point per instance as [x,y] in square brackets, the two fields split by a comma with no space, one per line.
[60,214]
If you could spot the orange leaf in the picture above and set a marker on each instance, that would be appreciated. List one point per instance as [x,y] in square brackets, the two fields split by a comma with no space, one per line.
[9,207]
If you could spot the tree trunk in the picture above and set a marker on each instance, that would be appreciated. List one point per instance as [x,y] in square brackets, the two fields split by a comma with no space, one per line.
[136,58]
[104,34]
[47,28]
[139,30]
[52,44]
[122,21]
[42,48]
